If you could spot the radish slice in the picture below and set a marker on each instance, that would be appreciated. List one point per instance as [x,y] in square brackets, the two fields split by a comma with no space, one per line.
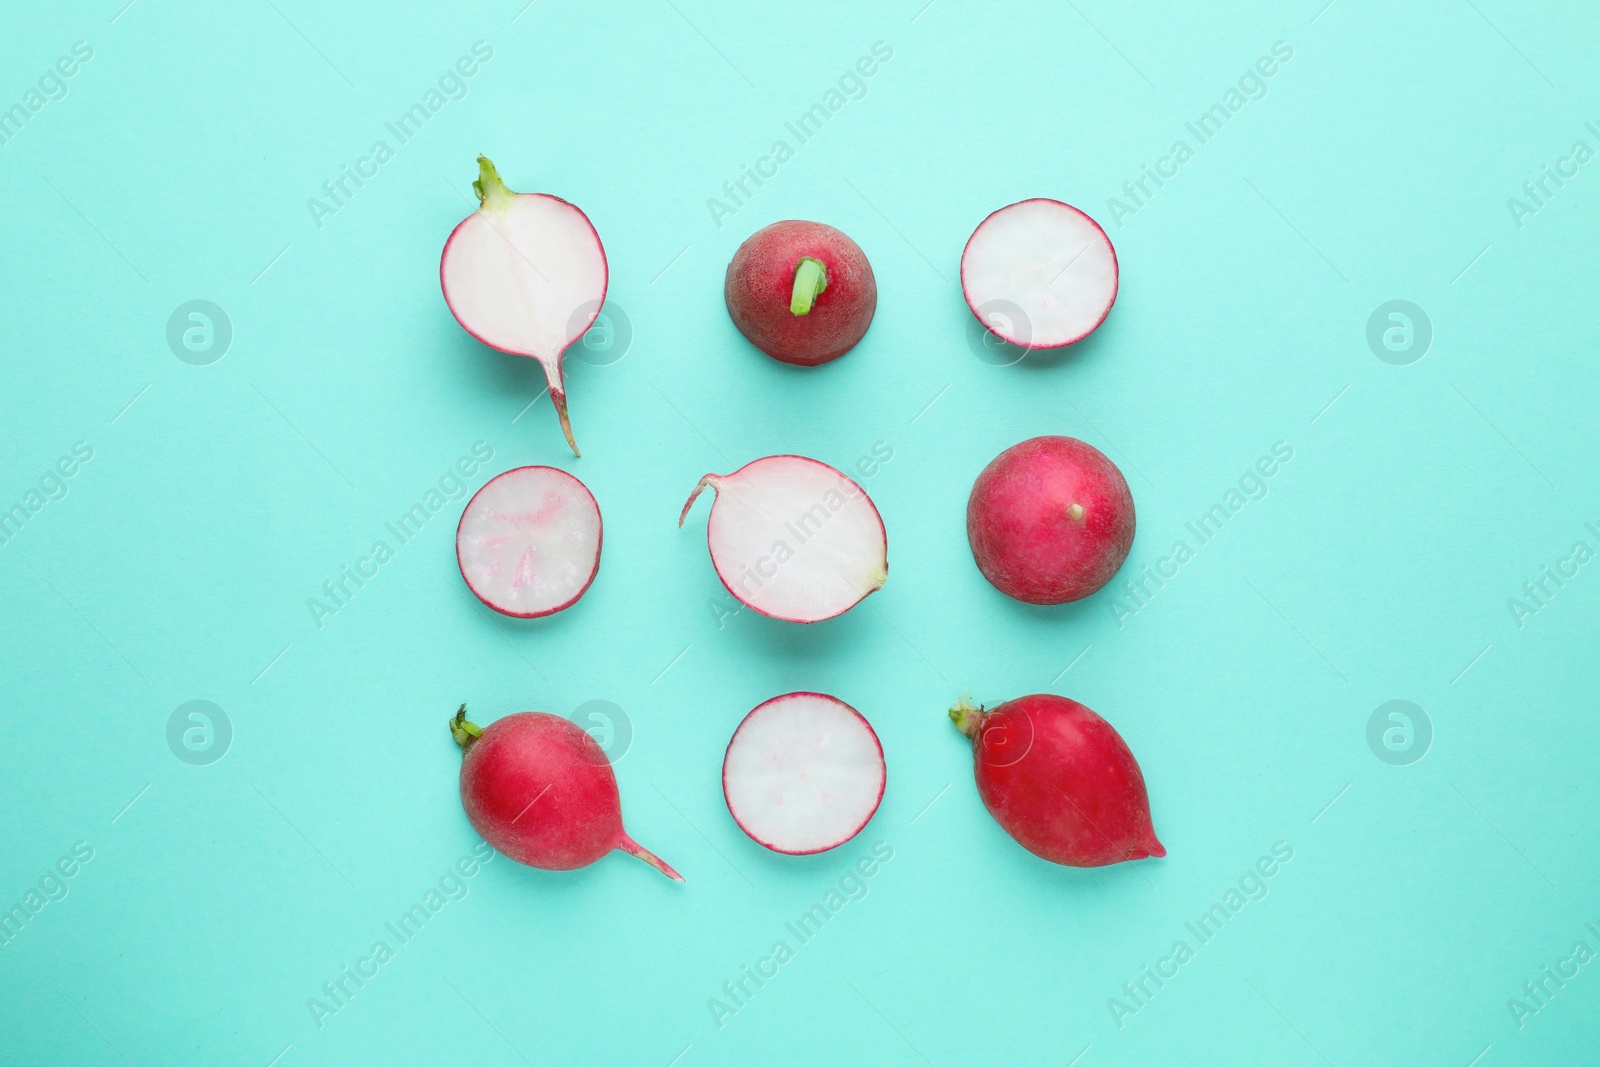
[793,538]
[804,773]
[526,274]
[1039,274]
[529,541]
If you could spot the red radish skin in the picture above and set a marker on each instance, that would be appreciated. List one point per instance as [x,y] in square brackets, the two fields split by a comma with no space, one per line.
[528,543]
[775,300]
[526,274]
[803,773]
[541,790]
[1060,780]
[1050,520]
[1040,274]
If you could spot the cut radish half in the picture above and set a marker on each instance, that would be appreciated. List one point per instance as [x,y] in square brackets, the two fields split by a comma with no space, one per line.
[793,538]
[529,541]
[526,274]
[804,773]
[1039,274]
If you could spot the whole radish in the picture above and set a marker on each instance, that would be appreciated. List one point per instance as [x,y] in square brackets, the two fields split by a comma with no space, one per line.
[526,274]
[541,790]
[802,292]
[1060,780]
[1050,520]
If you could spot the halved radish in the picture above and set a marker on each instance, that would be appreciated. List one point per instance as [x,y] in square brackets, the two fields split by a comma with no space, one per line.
[793,538]
[1039,274]
[803,773]
[526,274]
[529,541]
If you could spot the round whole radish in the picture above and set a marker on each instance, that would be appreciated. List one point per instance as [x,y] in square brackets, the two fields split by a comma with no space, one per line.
[526,274]
[1039,274]
[802,292]
[541,790]
[528,543]
[804,773]
[1050,520]
[793,538]
[1060,780]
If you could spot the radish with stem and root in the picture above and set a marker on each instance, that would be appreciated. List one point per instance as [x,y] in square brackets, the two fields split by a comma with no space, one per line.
[541,790]
[1060,780]
[525,273]
[1050,520]
[803,773]
[528,543]
[1039,274]
[793,538]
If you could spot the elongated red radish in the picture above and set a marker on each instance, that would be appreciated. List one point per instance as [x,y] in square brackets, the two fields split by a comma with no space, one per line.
[804,773]
[1060,780]
[1050,520]
[525,273]
[528,543]
[1039,274]
[793,538]
[541,790]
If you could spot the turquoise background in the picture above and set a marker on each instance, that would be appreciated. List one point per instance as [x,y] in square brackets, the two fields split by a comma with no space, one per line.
[1379,565]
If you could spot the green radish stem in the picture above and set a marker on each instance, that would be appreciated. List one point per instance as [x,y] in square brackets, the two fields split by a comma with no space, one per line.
[810,278]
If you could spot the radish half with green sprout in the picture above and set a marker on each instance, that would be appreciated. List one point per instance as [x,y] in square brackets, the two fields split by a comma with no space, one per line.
[541,790]
[802,292]
[793,538]
[528,543]
[526,274]
[1060,780]
[1050,520]
[1039,274]
[803,773]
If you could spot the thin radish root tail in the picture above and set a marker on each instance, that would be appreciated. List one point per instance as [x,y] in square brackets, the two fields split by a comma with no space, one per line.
[966,715]
[699,488]
[559,398]
[633,848]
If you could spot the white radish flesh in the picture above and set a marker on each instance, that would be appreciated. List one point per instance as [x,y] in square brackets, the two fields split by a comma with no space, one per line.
[1039,274]
[793,538]
[529,541]
[804,773]
[525,273]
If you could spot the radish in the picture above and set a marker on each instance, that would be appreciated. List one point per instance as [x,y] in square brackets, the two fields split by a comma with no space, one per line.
[801,292]
[529,541]
[541,790]
[1039,274]
[803,773]
[526,274]
[793,538]
[1060,780]
[1050,520]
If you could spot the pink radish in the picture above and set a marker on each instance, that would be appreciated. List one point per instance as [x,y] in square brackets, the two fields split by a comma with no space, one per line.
[802,292]
[803,773]
[1039,274]
[793,538]
[1050,520]
[540,790]
[1060,780]
[529,541]
[526,274]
